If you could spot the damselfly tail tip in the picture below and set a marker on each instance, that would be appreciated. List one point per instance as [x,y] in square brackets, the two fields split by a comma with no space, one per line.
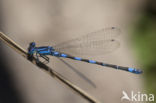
[136,71]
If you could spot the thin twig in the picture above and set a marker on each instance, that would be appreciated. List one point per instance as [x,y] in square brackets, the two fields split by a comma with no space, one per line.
[48,70]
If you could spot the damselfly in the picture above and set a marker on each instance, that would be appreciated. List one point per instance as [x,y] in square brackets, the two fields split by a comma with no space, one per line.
[95,43]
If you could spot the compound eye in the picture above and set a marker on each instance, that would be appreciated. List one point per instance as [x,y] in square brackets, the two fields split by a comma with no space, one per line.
[33,44]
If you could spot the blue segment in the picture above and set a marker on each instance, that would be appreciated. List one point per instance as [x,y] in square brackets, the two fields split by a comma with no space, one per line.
[63,55]
[44,52]
[56,53]
[43,48]
[77,58]
[103,64]
[131,69]
[92,61]
[137,71]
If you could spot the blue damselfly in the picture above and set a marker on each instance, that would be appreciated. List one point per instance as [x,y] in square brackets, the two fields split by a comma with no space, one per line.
[95,43]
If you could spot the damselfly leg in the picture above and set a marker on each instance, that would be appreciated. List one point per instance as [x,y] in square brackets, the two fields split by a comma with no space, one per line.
[46,59]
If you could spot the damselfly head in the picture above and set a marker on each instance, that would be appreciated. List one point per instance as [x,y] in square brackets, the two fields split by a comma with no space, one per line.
[31,47]
[32,44]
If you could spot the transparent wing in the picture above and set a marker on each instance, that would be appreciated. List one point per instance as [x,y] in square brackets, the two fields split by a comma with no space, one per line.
[96,43]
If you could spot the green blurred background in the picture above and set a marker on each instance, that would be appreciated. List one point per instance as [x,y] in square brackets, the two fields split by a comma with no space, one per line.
[144,42]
